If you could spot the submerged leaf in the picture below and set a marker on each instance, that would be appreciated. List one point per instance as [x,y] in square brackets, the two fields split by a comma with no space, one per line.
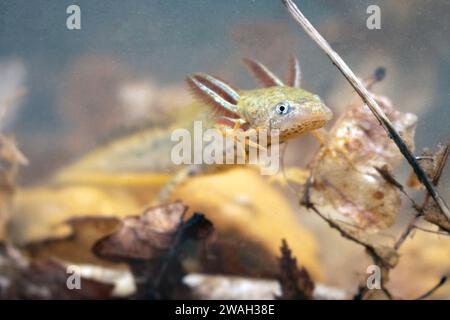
[142,237]
[149,244]
[433,214]
[435,166]
[344,171]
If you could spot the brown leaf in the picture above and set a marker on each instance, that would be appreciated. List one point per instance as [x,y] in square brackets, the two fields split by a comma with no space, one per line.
[432,163]
[434,168]
[344,169]
[149,244]
[433,214]
[142,237]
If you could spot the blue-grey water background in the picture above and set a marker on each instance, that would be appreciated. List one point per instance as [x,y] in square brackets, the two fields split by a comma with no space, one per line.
[167,40]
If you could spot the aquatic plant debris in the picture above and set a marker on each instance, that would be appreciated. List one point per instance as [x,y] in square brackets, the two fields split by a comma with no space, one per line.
[149,244]
[346,170]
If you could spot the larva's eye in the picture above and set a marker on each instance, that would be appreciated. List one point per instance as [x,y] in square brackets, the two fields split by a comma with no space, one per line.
[283,108]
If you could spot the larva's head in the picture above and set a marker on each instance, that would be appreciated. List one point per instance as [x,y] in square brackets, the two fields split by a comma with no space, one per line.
[287,108]
[292,111]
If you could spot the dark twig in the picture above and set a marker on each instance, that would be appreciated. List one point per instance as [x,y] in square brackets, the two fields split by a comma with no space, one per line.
[409,228]
[369,101]
[197,223]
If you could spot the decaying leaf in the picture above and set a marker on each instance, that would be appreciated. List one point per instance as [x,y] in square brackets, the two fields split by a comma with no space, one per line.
[344,170]
[296,284]
[431,163]
[142,237]
[149,244]
[434,215]
[434,168]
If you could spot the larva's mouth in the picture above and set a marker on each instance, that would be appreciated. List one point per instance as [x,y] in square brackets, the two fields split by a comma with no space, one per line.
[326,116]
[306,122]
[301,128]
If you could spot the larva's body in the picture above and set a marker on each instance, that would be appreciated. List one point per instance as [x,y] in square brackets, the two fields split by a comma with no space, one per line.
[141,157]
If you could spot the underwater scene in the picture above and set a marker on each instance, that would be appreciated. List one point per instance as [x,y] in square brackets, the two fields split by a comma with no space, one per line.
[224,150]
